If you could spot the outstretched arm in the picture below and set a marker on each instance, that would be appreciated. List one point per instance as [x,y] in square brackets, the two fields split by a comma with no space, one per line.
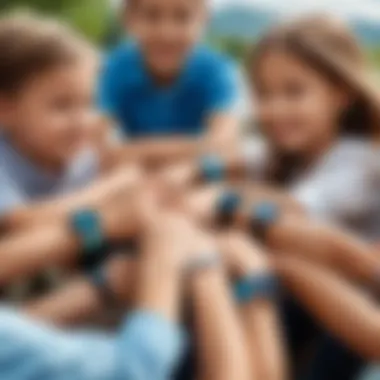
[102,191]
[293,233]
[347,313]
[247,261]
[219,336]
[80,299]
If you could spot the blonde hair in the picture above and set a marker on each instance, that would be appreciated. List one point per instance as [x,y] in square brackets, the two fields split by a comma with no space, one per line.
[31,44]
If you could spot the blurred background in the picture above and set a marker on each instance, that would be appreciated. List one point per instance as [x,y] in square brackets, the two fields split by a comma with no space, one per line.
[233,26]
[234,23]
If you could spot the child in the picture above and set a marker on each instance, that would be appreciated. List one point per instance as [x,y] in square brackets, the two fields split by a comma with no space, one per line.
[164,87]
[46,90]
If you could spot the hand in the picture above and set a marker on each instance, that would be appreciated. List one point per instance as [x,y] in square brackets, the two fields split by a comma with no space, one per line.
[242,255]
[122,213]
[175,235]
[178,177]
[201,204]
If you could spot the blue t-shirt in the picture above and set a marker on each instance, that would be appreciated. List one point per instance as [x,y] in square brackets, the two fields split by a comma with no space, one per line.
[207,84]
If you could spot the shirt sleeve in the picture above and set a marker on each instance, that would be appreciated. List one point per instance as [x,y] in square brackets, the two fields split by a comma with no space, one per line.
[223,94]
[147,348]
[107,92]
[10,197]
[342,191]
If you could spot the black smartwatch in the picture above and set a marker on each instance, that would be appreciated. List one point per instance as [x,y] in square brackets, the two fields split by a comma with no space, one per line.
[227,207]
[98,278]
[262,217]
[87,225]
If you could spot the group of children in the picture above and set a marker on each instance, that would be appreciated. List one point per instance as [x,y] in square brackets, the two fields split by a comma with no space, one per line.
[129,174]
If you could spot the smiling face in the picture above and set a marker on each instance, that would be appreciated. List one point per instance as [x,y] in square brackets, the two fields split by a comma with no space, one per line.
[166,30]
[298,107]
[49,117]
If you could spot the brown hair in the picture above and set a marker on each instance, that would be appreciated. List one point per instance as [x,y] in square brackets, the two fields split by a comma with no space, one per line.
[30,45]
[327,45]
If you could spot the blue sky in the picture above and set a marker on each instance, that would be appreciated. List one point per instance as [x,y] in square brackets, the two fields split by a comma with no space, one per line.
[363,9]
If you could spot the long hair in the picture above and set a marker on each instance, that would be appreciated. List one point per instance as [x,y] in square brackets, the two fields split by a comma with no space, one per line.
[327,45]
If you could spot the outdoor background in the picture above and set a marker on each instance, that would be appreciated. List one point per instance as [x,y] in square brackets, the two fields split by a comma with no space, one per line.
[235,24]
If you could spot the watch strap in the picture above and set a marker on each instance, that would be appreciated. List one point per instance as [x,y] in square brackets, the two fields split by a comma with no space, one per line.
[251,288]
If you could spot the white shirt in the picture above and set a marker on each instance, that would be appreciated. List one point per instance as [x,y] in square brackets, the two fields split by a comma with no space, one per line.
[342,187]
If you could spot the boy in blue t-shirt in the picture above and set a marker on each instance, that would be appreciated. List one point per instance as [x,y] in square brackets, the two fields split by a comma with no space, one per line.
[165,85]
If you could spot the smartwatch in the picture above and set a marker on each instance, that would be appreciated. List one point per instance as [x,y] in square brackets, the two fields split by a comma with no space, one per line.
[263,216]
[251,288]
[87,226]
[212,168]
[227,207]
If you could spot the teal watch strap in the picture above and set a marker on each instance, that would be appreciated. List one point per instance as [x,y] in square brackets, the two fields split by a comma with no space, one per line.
[262,217]
[87,225]
[212,168]
[264,286]
[98,278]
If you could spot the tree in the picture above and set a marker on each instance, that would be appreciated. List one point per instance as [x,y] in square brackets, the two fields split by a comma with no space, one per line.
[91,17]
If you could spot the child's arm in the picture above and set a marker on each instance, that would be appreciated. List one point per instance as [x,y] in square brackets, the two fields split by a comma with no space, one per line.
[222,348]
[56,243]
[291,232]
[247,260]
[343,309]
[80,299]
[100,193]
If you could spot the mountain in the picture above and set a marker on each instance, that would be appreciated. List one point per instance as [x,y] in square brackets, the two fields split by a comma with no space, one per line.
[249,22]
[241,22]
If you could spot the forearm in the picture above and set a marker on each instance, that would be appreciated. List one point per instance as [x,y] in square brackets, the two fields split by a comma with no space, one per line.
[78,301]
[156,152]
[158,287]
[340,307]
[294,234]
[32,250]
[267,353]
[26,254]
[325,245]
[102,191]
[223,352]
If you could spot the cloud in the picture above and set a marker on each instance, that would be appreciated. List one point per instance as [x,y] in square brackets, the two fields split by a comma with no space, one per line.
[364,9]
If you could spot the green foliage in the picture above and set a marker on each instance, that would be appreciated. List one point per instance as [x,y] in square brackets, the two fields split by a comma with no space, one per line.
[234,47]
[91,17]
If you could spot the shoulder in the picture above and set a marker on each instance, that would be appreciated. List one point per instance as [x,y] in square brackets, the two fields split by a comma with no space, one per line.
[354,152]
[205,61]
[121,65]
[124,54]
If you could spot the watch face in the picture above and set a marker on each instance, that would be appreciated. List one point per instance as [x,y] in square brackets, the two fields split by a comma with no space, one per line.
[212,168]
[265,213]
[227,206]
[229,203]
[87,225]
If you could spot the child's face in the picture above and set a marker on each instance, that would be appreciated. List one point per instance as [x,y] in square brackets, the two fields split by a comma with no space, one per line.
[298,109]
[166,30]
[50,115]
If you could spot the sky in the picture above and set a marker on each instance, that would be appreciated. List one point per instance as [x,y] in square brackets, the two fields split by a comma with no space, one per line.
[363,9]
